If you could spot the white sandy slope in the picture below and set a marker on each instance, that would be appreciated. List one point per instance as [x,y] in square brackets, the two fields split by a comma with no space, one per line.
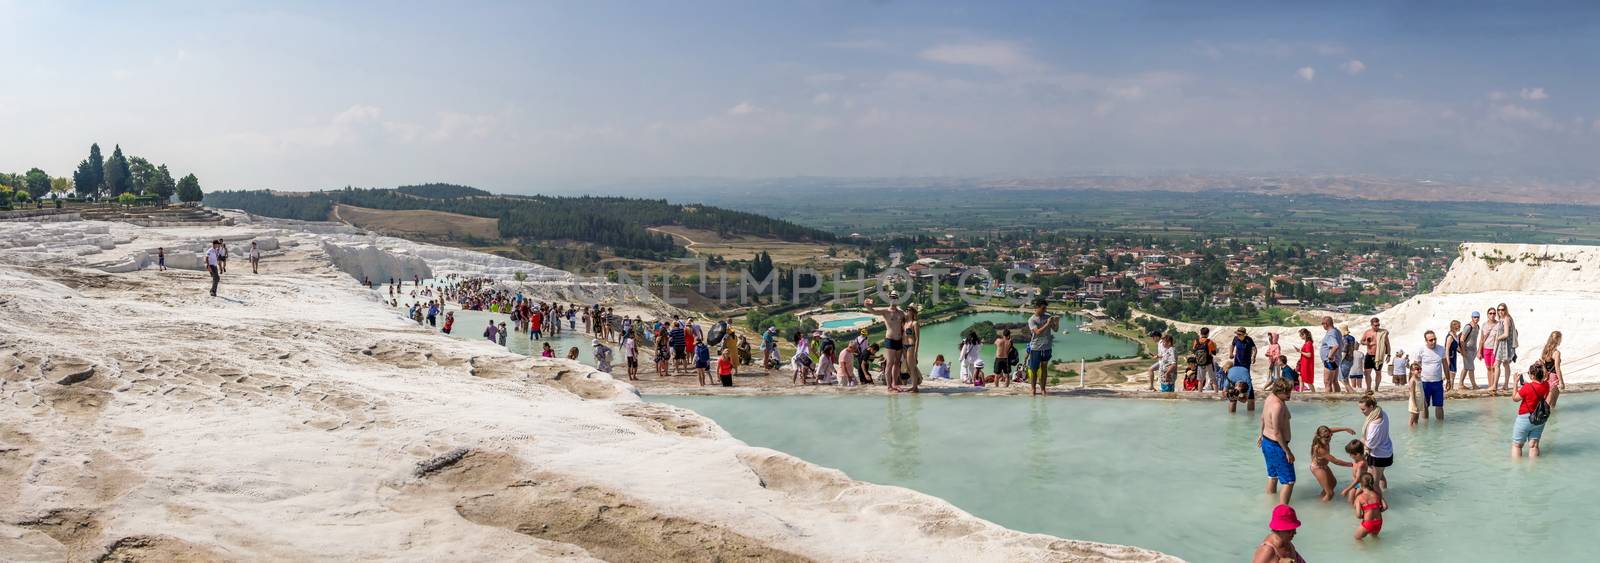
[298,419]
[1546,287]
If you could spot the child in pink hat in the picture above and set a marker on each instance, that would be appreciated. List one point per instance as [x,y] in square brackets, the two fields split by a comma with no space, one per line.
[1279,545]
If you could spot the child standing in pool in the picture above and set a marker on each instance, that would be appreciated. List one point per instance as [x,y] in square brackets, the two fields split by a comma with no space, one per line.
[1413,394]
[1321,456]
[1369,508]
[1358,467]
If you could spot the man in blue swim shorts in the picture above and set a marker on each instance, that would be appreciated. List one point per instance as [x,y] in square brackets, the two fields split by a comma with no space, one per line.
[1432,358]
[1274,441]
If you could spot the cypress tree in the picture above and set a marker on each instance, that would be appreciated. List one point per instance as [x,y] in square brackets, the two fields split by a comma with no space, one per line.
[118,177]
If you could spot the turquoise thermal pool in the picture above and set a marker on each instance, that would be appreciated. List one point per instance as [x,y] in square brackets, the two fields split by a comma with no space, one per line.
[846,322]
[1186,478]
[945,338]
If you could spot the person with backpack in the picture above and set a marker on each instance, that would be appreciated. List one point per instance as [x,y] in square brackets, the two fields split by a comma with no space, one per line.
[1350,360]
[1240,385]
[1332,348]
[1205,353]
[1533,411]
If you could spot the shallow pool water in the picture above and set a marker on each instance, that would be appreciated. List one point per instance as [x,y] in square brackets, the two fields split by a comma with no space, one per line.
[470,324]
[1185,478]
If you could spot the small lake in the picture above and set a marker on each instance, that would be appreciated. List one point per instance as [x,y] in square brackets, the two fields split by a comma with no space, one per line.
[945,338]
[1185,477]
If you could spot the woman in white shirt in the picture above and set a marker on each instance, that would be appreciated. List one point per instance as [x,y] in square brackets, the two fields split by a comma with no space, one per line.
[970,349]
[1166,359]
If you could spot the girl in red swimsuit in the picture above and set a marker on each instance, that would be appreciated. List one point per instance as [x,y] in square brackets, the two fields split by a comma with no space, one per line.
[1369,508]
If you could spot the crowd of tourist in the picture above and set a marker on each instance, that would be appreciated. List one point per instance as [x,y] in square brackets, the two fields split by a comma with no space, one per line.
[1353,364]
[1350,363]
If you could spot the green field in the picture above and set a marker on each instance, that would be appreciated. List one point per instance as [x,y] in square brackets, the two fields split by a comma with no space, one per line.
[1304,219]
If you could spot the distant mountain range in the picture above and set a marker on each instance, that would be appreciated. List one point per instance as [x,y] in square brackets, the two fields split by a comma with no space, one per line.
[1344,186]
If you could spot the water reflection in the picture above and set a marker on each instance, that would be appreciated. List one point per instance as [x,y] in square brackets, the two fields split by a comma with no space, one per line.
[1041,456]
[903,435]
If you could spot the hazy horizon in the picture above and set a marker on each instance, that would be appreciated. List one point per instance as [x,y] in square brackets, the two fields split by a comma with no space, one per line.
[567,96]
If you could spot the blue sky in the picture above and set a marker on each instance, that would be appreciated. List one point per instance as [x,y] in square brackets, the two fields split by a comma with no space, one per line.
[517,96]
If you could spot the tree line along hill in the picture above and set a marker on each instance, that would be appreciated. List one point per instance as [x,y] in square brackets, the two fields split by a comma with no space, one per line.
[619,223]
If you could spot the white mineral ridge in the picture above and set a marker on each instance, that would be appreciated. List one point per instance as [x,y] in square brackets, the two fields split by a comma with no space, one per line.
[297,418]
[1546,287]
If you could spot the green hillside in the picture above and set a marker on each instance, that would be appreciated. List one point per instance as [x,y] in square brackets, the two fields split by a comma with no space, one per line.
[618,223]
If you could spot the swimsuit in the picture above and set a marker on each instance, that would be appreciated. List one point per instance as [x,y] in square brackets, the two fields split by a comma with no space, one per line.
[1371,526]
[1279,553]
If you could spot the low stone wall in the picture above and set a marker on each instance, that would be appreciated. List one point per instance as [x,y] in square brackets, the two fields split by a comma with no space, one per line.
[40,215]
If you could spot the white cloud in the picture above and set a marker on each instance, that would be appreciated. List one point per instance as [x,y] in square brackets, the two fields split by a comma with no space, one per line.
[822,98]
[1534,94]
[744,108]
[1353,67]
[1003,56]
[1306,73]
[357,114]
[1514,113]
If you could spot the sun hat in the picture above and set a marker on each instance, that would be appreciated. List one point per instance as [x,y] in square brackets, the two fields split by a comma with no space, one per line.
[595,342]
[1284,519]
